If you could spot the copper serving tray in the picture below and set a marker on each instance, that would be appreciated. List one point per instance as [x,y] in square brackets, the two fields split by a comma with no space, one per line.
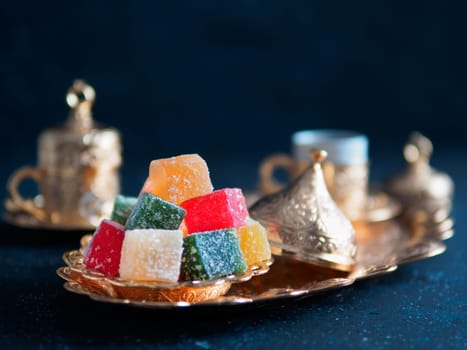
[382,246]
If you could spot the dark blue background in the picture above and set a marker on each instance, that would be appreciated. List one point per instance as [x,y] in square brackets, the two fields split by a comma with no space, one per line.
[236,78]
[232,81]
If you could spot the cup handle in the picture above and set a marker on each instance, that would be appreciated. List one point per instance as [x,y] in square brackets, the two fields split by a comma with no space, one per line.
[25,204]
[267,168]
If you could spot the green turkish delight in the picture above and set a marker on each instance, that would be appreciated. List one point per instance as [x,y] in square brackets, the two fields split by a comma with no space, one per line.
[123,206]
[212,254]
[153,212]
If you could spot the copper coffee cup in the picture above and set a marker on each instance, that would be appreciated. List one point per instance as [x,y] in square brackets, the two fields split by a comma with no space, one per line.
[77,172]
[345,170]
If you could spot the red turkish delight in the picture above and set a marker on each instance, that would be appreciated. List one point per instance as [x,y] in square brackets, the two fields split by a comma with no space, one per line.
[220,209]
[103,253]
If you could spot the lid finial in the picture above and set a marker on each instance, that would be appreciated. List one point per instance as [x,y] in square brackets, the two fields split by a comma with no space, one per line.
[80,98]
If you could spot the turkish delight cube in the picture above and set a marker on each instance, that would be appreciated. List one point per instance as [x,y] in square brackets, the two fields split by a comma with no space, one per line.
[103,252]
[212,254]
[179,178]
[153,212]
[123,206]
[220,209]
[254,242]
[151,255]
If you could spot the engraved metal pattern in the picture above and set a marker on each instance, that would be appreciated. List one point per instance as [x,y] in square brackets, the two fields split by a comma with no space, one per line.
[421,188]
[348,185]
[77,160]
[187,294]
[349,188]
[382,246]
[303,220]
[154,291]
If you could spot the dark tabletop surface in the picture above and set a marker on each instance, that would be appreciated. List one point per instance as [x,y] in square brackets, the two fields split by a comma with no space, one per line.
[231,80]
[420,305]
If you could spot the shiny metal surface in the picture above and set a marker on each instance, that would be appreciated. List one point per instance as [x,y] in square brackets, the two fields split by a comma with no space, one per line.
[345,169]
[77,172]
[382,246]
[75,272]
[421,189]
[303,221]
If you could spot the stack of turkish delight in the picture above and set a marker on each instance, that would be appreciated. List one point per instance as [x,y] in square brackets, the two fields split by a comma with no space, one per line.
[178,229]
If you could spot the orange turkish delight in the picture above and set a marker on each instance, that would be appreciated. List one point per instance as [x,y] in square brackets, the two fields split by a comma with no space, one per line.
[179,178]
[254,242]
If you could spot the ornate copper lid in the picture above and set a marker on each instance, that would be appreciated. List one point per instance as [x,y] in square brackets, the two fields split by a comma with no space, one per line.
[77,171]
[304,222]
[420,186]
[70,144]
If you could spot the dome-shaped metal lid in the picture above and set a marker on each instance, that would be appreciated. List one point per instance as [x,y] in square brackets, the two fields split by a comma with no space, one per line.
[304,222]
[420,185]
[80,140]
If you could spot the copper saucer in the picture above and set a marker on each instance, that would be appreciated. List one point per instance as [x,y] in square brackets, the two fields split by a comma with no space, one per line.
[382,246]
[75,272]
[17,217]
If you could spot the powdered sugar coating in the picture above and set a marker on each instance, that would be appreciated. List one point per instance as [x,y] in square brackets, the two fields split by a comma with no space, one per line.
[153,212]
[123,207]
[208,255]
[254,242]
[151,255]
[103,252]
[179,178]
[220,209]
